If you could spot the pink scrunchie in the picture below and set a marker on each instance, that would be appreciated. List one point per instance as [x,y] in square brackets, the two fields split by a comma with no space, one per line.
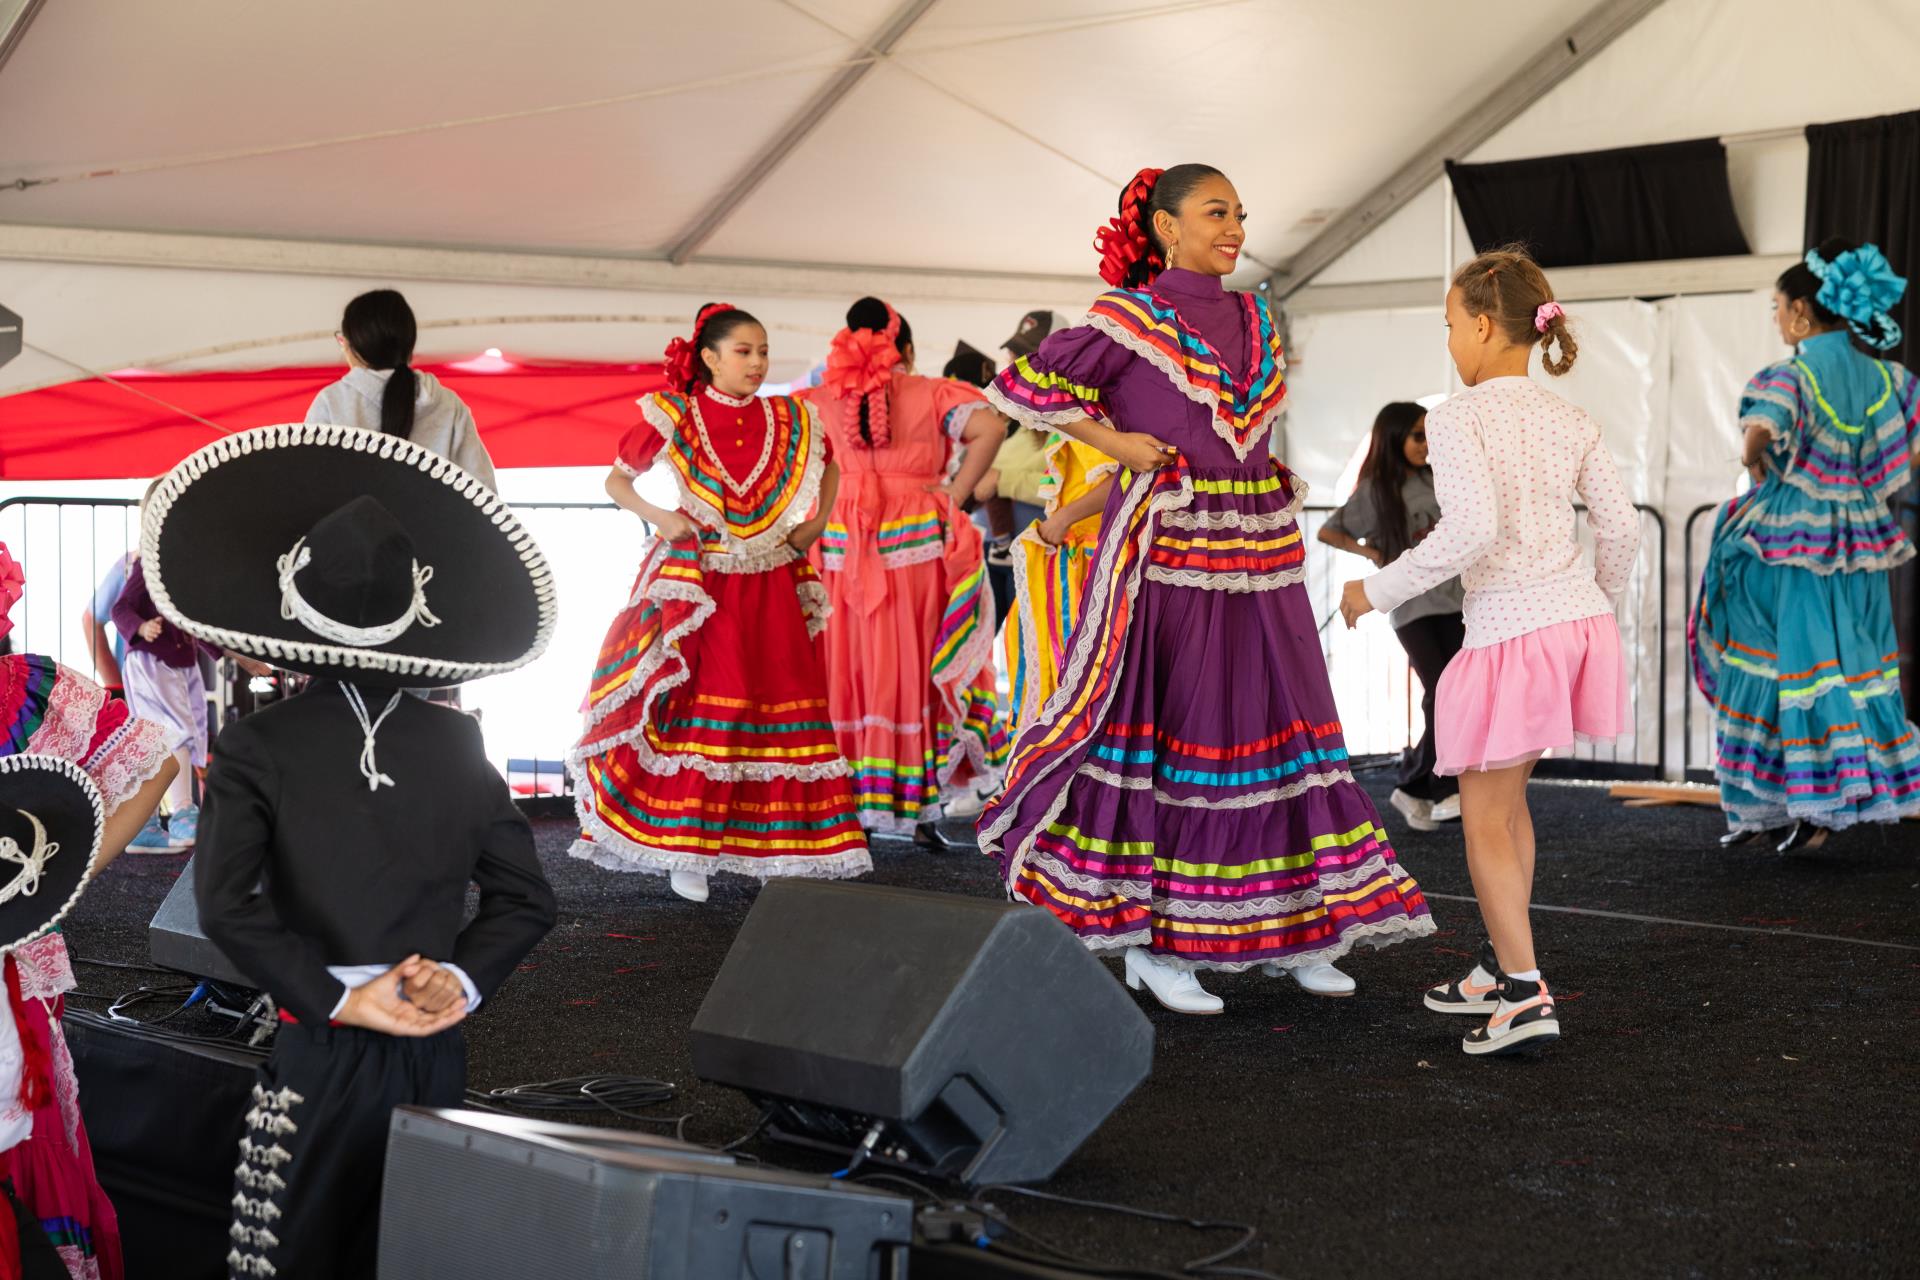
[1545,314]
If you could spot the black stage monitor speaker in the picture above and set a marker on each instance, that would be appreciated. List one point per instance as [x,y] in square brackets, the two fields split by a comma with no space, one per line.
[176,942]
[165,1117]
[470,1195]
[973,1039]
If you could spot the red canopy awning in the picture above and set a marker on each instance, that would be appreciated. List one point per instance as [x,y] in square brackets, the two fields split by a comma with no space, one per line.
[531,414]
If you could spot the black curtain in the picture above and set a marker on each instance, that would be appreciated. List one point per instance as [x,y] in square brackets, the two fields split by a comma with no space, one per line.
[1637,204]
[1863,181]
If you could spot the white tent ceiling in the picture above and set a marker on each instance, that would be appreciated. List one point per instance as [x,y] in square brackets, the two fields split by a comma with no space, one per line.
[993,137]
[211,178]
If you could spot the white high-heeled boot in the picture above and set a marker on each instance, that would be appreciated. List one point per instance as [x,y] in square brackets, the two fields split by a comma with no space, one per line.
[691,885]
[1177,989]
[1315,979]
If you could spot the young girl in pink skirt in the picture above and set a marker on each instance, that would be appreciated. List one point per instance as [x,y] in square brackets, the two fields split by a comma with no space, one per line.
[1542,666]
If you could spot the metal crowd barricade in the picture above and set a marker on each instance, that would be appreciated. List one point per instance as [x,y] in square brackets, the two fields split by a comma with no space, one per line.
[67,544]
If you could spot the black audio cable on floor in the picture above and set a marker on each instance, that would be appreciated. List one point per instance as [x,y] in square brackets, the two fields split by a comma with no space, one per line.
[1045,1253]
[622,1096]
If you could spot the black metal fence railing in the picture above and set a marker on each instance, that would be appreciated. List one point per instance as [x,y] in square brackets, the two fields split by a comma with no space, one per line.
[68,544]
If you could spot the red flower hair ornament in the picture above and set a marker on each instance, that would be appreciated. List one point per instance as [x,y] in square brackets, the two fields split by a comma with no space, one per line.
[1124,240]
[681,353]
[860,365]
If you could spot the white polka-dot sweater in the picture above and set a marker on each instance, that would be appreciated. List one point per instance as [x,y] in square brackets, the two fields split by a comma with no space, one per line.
[1510,458]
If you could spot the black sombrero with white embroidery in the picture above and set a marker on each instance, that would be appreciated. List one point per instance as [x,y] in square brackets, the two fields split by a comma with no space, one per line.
[347,553]
[51,820]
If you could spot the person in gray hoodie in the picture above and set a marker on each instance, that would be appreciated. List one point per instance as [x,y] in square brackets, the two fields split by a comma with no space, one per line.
[382,392]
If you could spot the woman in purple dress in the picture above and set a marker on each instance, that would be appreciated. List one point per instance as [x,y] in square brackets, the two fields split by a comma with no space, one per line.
[1185,795]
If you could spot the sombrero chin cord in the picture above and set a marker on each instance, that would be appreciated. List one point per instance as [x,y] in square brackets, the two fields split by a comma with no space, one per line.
[369,768]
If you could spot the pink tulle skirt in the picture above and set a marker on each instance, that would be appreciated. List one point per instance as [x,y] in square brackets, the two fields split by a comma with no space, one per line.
[1545,690]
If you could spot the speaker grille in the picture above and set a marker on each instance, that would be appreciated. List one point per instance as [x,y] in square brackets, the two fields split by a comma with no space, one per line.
[447,1194]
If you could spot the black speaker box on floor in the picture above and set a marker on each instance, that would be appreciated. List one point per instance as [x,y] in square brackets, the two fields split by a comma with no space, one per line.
[973,1039]
[165,1119]
[176,942]
[470,1195]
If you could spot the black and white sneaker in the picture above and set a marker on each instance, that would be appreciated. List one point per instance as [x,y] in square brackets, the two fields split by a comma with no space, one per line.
[1478,992]
[1525,1019]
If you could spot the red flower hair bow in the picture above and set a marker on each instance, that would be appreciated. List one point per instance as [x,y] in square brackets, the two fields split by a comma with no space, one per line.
[1124,241]
[682,352]
[860,366]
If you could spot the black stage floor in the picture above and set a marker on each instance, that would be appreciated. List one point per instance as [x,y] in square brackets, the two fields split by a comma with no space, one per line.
[1735,1094]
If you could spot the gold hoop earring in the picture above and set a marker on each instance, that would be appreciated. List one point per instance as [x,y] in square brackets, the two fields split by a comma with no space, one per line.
[1801,327]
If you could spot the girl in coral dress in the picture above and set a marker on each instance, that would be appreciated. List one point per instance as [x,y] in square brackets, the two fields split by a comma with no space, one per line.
[910,654]
[709,745]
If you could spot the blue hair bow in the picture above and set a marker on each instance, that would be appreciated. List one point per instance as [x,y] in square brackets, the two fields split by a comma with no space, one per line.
[1861,288]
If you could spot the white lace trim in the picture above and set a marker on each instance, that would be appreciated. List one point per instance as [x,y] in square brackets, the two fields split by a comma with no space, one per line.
[1215,521]
[1238,908]
[961,415]
[912,555]
[127,761]
[649,587]
[401,452]
[74,774]
[1178,376]
[614,852]
[1238,581]
[769,548]
[881,722]
[763,561]
[816,605]
[1382,933]
[732,402]
[72,716]
[1030,417]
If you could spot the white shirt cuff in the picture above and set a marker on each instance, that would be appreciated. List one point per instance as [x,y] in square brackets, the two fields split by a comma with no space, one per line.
[473,992]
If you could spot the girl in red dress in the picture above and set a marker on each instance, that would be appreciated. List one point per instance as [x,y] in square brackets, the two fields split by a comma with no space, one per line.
[708,744]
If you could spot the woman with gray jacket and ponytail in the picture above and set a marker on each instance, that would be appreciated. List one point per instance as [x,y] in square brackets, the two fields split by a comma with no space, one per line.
[382,392]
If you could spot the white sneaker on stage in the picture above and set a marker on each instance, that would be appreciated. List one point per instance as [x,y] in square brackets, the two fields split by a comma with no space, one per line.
[1316,979]
[1177,989]
[1417,812]
[691,885]
[969,805]
[1447,810]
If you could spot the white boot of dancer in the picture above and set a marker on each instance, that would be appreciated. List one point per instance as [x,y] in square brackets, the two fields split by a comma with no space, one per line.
[1175,988]
[691,885]
[1316,979]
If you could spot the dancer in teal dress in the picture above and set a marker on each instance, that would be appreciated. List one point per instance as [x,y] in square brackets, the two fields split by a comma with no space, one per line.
[1793,638]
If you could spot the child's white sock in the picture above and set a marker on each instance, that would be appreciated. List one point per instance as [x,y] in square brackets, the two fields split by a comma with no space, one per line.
[1530,975]
[180,790]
